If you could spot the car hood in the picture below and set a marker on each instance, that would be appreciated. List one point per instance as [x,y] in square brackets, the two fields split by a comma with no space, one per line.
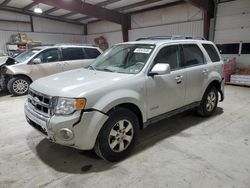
[76,83]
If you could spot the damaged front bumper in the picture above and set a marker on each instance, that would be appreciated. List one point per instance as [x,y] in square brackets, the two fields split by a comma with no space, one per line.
[221,91]
[3,81]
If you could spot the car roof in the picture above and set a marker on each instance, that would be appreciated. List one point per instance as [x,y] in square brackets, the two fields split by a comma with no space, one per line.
[159,41]
[63,45]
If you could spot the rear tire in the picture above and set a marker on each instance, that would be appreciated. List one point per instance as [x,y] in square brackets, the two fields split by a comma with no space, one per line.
[118,136]
[209,102]
[18,86]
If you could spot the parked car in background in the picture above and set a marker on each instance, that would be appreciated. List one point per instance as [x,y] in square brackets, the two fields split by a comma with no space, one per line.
[128,87]
[16,74]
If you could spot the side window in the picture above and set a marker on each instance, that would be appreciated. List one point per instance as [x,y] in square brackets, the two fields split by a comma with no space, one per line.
[72,54]
[170,55]
[50,55]
[92,53]
[213,54]
[193,55]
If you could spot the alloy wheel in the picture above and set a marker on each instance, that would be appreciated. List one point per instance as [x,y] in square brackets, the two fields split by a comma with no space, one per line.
[211,101]
[121,136]
[20,86]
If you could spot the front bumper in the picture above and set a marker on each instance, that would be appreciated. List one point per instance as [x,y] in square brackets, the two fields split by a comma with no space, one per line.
[3,81]
[222,94]
[84,126]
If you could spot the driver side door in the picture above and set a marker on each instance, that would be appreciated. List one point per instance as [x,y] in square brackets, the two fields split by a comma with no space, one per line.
[50,63]
[167,92]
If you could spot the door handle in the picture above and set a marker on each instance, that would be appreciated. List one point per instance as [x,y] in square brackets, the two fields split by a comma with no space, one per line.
[178,79]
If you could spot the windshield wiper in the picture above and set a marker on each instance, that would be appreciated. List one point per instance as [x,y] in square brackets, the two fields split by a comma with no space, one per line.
[108,70]
[91,66]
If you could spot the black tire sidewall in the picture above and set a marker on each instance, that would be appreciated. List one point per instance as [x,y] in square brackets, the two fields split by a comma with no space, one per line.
[102,144]
[11,82]
[204,111]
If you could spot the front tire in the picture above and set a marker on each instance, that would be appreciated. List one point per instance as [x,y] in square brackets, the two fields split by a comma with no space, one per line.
[118,135]
[18,86]
[209,102]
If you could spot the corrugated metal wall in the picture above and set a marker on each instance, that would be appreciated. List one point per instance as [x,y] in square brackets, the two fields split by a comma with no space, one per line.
[178,20]
[45,30]
[233,21]
[233,26]
[192,28]
[22,23]
[51,26]
[46,38]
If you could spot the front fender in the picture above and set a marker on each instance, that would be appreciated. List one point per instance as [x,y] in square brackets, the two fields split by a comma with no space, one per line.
[115,98]
[15,70]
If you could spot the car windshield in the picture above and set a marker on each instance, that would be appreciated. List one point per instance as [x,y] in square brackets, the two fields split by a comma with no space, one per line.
[124,58]
[26,55]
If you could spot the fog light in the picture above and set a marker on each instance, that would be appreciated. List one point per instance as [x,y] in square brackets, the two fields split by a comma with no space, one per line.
[66,134]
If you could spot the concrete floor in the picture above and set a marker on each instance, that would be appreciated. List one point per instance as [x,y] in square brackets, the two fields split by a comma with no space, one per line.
[183,151]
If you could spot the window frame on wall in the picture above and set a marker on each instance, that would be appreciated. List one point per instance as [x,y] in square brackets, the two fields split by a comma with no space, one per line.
[243,50]
[225,48]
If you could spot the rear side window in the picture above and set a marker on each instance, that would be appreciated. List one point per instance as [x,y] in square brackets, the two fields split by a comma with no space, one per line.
[213,54]
[92,53]
[193,55]
[72,54]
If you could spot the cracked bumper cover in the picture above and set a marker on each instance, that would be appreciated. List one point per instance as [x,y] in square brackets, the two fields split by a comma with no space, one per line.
[221,91]
[84,126]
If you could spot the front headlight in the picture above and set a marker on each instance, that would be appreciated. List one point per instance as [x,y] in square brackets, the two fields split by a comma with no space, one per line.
[67,106]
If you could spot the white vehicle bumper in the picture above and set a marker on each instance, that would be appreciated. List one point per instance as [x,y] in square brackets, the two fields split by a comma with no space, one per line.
[78,130]
[222,90]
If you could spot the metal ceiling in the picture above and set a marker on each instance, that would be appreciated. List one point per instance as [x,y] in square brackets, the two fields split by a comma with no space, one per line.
[120,6]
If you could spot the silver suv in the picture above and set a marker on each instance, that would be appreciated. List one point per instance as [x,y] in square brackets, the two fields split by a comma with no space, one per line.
[128,87]
[18,73]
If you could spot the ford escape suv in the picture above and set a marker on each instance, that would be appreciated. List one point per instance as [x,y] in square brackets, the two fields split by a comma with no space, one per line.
[129,86]
[19,72]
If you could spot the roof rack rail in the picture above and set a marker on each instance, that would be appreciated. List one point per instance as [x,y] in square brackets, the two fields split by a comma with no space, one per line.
[173,37]
[72,44]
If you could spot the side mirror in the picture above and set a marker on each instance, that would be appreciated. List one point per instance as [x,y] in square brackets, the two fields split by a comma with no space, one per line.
[160,69]
[36,61]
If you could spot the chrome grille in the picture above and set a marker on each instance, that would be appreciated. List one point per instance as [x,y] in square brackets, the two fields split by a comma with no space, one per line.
[41,103]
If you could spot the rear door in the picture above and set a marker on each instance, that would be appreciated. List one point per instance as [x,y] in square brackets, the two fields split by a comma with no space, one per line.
[197,72]
[215,62]
[74,58]
[50,63]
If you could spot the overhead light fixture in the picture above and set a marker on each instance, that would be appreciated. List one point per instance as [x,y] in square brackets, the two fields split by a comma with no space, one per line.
[38,10]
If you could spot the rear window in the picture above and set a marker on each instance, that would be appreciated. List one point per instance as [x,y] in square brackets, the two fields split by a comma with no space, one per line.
[213,54]
[232,48]
[72,54]
[92,53]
